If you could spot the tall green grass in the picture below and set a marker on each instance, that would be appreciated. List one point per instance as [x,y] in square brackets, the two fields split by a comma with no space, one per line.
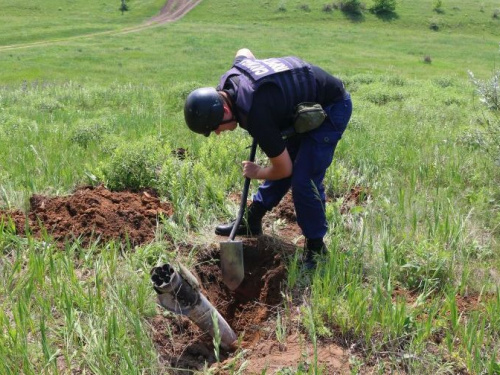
[67,310]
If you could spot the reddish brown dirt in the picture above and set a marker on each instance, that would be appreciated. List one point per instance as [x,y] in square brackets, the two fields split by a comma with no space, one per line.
[465,303]
[355,197]
[92,213]
[251,311]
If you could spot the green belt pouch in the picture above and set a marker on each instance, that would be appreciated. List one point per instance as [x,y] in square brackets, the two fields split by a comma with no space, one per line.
[308,116]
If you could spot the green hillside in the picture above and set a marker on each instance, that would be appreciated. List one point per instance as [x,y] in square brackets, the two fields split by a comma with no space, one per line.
[411,281]
[54,19]
[467,38]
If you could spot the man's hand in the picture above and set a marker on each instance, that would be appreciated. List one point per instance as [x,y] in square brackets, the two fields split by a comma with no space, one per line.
[251,170]
[281,167]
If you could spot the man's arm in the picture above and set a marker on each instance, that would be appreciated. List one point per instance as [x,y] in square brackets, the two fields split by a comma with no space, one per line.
[281,167]
[245,52]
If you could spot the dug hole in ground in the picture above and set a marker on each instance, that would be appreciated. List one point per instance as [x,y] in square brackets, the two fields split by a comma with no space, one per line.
[251,310]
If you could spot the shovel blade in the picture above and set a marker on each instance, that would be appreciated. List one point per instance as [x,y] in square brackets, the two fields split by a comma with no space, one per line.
[231,260]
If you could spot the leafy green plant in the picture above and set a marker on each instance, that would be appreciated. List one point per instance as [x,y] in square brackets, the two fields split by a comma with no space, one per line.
[473,139]
[423,268]
[351,6]
[132,166]
[89,133]
[383,6]
[312,329]
[49,105]
[281,330]
[488,90]
[305,7]
[124,6]
[382,97]
[327,8]
[489,96]
[444,82]
[438,6]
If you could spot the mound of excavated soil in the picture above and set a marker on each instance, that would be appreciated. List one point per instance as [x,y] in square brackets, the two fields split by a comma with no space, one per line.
[92,213]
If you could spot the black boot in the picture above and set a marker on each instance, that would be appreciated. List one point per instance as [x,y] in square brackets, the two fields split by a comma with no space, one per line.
[250,225]
[313,248]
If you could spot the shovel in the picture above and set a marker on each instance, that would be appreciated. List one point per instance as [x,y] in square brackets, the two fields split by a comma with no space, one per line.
[231,252]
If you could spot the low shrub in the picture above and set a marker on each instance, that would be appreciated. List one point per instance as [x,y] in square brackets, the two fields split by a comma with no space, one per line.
[434,25]
[489,95]
[305,8]
[444,82]
[88,133]
[424,268]
[488,90]
[383,6]
[472,139]
[381,97]
[328,8]
[49,105]
[438,6]
[351,6]
[124,6]
[132,166]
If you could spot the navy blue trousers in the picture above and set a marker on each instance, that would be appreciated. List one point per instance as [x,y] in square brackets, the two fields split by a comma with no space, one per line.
[311,154]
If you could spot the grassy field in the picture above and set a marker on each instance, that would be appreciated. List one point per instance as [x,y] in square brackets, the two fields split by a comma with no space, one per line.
[467,39]
[82,101]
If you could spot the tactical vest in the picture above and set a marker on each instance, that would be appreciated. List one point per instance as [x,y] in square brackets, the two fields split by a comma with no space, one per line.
[293,76]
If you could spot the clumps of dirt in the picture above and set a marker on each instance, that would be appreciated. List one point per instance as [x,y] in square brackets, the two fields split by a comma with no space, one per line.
[247,309]
[265,273]
[285,214]
[250,311]
[16,217]
[286,209]
[354,197]
[93,213]
[180,153]
[465,304]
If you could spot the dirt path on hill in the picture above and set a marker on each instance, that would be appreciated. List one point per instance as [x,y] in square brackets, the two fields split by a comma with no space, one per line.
[173,10]
[170,12]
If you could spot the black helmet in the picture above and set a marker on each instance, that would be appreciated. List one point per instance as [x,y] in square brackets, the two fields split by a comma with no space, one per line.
[204,110]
